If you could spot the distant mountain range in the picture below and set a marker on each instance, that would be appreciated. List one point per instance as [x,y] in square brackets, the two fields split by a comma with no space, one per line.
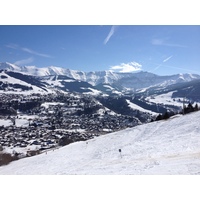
[148,89]
[122,81]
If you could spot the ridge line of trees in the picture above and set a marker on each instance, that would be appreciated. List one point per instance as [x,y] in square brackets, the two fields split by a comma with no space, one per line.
[187,109]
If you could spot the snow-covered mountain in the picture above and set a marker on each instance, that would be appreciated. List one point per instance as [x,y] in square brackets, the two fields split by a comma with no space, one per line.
[130,81]
[93,78]
[64,83]
[143,80]
[14,82]
[164,147]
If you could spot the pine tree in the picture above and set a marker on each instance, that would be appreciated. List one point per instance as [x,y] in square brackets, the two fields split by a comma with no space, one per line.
[190,107]
[159,117]
[166,115]
[196,108]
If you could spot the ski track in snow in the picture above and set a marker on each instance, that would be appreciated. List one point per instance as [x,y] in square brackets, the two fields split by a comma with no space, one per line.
[164,147]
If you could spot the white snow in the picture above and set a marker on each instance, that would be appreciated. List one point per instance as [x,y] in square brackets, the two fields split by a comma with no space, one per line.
[12,80]
[57,82]
[21,121]
[164,147]
[112,89]
[69,81]
[109,87]
[47,104]
[93,91]
[13,67]
[136,107]
[5,122]
[165,99]
[57,70]
[54,83]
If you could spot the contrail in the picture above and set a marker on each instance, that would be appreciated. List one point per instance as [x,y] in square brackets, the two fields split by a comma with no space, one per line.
[172,67]
[167,59]
[112,31]
[34,52]
[188,70]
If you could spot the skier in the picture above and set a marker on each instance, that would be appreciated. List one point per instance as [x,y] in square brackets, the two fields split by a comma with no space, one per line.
[120,152]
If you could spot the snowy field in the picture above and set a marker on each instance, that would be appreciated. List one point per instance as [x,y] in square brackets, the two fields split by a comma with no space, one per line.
[165,147]
[21,121]
[165,99]
[47,104]
[136,107]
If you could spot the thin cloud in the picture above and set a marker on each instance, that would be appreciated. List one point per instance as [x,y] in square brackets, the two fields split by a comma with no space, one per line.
[12,46]
[17,47]
[24,61]
[112,31]
[172,67]
[156,68]
[183,69]
[157,42]
[35,53]
[162,42]
[127,67]
[167,59]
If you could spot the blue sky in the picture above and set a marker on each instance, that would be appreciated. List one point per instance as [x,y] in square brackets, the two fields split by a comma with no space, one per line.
[162,50]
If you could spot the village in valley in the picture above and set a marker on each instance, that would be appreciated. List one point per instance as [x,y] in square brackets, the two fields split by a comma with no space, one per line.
[32,124]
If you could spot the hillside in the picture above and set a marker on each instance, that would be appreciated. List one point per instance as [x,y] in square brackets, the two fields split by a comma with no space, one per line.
[164,147]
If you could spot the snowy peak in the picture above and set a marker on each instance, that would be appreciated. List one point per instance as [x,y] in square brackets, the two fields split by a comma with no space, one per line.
[98,77]
[33,70]
[187,77]
[9,66]
[130,81]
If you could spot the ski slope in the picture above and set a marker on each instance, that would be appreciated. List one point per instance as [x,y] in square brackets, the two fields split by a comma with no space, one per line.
[158,148]
[136,107]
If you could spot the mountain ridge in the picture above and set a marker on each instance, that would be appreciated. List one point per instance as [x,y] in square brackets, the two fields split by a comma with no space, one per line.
[131,81]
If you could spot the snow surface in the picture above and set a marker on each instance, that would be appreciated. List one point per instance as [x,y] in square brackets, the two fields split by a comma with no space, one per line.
[109,87]
[13,80]
[93,91]
[165,147]
[47,104]
[136,107]
[5,122]
[165,98]
[21,121]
